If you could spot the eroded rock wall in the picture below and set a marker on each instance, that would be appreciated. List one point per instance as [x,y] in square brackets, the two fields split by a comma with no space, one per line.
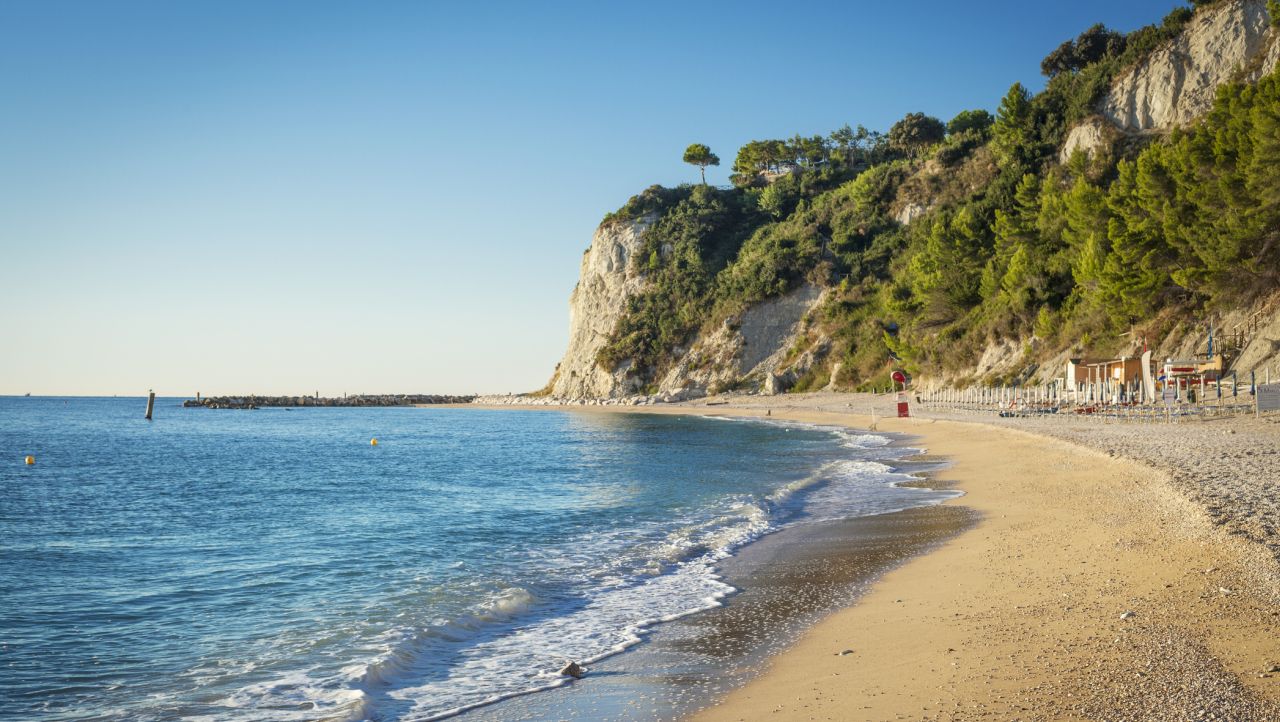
[1178,83]
[605,282]
[1229,42]
[750,348]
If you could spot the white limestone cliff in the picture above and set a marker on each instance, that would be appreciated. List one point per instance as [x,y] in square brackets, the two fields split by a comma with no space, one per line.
[1178,83]
[606,280]
[752,346]
[1086,138]
[1229,42]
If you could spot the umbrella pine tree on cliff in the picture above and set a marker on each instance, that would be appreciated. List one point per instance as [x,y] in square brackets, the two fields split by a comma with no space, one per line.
[701,156]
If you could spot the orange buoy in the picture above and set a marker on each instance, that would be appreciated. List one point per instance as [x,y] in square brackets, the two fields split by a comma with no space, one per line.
[31,460]
[373,442]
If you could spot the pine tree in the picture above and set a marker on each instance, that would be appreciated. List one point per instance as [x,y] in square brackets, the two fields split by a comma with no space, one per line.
[701,156]
[1012,131]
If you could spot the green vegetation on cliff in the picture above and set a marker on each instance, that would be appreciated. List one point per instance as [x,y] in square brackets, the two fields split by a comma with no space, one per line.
[698,231]
[1006,243]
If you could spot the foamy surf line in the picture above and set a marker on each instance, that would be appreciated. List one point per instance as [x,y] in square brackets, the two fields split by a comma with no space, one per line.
[848,438]
[498,653]
[636,635]
[862,438]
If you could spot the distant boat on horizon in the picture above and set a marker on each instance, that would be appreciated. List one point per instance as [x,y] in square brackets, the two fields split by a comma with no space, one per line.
[28,393]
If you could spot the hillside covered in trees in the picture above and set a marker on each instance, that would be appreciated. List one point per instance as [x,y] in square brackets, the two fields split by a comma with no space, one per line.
[938,238]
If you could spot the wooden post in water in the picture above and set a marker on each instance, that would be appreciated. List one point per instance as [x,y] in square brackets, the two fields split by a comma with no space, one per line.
[151,402]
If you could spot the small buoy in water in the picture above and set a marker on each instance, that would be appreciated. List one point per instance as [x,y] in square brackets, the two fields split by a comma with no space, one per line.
[31,460]
[373,441]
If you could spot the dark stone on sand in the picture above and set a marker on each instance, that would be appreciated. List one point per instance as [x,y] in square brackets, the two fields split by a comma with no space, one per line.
[572,669]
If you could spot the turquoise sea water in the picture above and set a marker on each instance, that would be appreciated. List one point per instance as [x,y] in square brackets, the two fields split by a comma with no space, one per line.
[273,565]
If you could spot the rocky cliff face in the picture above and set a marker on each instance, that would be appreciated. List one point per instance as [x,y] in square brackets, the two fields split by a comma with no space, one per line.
[1178,83]
[1232,41]
[1087,137]
[749,349]
[605,282]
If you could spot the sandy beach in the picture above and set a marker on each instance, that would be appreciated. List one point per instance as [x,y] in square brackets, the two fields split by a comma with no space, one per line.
[1090,589]
[1107,577]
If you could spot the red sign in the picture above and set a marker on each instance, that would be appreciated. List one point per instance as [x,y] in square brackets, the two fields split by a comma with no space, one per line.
[899,377]
[903,411]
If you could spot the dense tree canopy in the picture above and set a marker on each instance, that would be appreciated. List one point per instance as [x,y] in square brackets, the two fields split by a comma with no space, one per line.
[1091,46]
[915,132]
[970,120]
[1012,245]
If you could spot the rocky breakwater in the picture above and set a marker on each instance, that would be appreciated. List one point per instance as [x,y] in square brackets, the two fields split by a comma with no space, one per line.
[1176,85]
[256,402]
[535,400]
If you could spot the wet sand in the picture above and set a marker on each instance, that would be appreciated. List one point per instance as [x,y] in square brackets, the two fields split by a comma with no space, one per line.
[788,580]
[1089,588]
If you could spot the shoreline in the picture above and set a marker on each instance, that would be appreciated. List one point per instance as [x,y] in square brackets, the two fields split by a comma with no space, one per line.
[1020,617]
[783,582]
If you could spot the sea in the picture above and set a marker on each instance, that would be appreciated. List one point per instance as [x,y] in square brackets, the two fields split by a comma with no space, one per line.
[274,564]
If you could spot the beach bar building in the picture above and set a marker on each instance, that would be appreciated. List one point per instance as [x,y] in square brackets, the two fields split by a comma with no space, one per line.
[1185,375]
[1211,369]
[1078,371]
[1113,380]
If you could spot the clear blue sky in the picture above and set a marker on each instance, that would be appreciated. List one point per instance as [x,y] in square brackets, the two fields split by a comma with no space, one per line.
[286,197]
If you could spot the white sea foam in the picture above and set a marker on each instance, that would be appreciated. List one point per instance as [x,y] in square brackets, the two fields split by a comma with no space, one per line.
[527,658]
[291,696]
[513,642]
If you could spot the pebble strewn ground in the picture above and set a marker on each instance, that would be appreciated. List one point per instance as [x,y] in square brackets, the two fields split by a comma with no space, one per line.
[1180,681]
[1229,466]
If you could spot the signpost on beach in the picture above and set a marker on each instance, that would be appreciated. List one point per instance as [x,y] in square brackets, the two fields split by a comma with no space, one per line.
[1267,398]
[1170,397]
